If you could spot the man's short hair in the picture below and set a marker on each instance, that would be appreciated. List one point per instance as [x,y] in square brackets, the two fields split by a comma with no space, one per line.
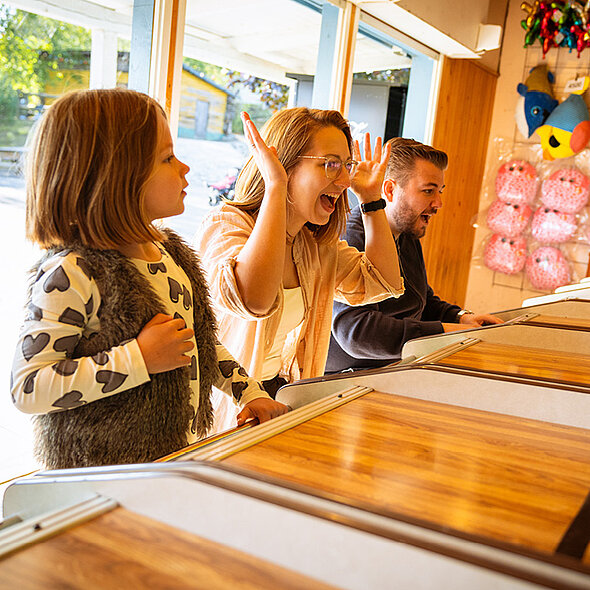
[405,152]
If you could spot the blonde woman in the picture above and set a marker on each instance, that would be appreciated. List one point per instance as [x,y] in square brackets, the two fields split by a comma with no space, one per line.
[273,257]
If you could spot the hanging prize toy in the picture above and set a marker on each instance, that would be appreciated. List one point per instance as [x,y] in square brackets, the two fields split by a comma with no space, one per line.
[508,219]
[567,129]
[566,190]
[536,100]
[548,28]
[547,268]
[532,23]
[517,182]
[505,255]
[551,226]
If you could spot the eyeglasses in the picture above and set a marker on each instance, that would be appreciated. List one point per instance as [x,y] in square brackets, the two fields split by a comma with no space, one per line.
[333,165]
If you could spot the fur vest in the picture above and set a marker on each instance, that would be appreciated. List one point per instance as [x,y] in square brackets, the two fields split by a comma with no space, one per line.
[148,421]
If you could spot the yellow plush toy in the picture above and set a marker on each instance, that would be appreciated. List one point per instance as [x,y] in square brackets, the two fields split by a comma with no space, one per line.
[567,129]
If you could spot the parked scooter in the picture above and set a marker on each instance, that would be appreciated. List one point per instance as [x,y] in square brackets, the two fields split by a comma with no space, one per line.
[224,188]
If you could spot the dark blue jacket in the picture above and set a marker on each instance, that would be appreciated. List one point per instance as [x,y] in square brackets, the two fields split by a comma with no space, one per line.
[373,335]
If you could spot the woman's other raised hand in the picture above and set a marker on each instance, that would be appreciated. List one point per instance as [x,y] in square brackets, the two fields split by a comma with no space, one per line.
[370,173]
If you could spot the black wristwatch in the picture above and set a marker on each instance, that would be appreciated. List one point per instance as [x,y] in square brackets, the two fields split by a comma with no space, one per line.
[373,206]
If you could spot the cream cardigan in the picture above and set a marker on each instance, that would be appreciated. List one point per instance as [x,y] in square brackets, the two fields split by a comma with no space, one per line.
[326,272]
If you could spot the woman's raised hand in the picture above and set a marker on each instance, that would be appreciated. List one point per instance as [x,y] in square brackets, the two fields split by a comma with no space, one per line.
[369,175]
[265,157]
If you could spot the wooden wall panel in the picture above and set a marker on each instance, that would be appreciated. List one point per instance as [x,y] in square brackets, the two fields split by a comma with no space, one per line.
[462,130]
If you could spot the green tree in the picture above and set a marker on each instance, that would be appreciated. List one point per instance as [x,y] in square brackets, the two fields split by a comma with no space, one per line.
[274,95]
[31,46]
[213,72]
[397,77]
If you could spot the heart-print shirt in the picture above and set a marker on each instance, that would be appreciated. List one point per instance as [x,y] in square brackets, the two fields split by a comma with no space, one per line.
[64,308]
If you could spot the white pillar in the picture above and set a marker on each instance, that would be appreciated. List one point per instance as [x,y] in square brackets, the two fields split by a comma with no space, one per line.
[103,59]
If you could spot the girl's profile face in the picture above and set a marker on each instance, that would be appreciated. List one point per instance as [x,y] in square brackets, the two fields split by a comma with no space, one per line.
[164,191]
[312,194]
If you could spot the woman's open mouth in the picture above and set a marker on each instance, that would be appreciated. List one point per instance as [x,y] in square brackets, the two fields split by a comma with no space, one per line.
[329,201]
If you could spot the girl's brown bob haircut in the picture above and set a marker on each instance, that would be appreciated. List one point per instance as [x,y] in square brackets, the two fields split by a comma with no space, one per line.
[86,168]
[291,131]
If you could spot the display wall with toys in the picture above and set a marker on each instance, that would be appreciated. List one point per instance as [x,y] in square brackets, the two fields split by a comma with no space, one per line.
[534,221]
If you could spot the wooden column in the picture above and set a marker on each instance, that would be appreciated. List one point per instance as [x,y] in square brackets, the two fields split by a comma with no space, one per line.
[166,56]
[461,129]
[344,58]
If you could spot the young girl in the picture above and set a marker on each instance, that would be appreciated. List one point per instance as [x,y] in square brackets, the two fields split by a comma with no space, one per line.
[118,351]
[273,257]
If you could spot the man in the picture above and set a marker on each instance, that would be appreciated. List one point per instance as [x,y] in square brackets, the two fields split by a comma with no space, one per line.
[373,335]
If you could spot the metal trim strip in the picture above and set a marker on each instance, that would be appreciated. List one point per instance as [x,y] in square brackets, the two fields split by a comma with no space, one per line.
[33,530]
[227,447]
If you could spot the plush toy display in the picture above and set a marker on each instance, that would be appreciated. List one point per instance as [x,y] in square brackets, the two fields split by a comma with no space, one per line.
[566,189]
[536,100]
[517,182]
[506,255]
[507,219]
[547,268]
[551,226]
[567,129]
[563,128]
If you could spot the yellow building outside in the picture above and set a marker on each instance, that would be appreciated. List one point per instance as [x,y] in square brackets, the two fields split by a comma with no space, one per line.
[203,109]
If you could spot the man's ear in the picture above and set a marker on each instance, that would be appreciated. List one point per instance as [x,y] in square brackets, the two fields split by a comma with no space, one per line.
[388,188]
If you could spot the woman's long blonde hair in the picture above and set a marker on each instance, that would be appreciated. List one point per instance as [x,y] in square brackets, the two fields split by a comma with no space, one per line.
[291,131]
[86,169]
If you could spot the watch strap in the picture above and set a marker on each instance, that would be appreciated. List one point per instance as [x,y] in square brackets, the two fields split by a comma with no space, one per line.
[373,206]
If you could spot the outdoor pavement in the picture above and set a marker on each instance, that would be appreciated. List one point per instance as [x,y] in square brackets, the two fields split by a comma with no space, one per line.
[209,162]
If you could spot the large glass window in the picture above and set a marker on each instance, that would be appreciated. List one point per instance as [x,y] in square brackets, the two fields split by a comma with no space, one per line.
[379,86]
[238,56]
[41,58]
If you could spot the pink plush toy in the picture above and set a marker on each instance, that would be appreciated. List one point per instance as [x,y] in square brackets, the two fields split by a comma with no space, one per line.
[552,227]
[547,268]
[506,255]
[508,219]
[517,182]
[566,190]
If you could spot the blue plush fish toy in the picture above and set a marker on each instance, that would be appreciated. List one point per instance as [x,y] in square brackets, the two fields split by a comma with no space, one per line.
[536,102]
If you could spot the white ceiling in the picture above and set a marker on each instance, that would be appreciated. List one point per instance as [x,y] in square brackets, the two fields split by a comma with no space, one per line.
[272,37]
[283,34]
[268,38]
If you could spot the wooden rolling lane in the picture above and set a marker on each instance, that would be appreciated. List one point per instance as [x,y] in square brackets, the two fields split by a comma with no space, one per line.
[495,479]
[122,549]
[566,368]
[549,342]
[550,321]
